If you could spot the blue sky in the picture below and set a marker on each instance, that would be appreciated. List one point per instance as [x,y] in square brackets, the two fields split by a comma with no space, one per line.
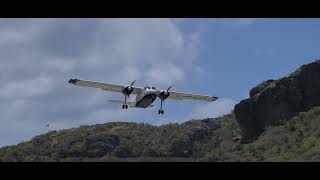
[239,57]
[220,57]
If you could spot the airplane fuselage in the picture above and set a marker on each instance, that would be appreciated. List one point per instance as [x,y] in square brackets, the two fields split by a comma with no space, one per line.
[146,98]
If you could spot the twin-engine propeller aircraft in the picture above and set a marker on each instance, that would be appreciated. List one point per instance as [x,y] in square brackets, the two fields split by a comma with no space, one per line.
[145,96]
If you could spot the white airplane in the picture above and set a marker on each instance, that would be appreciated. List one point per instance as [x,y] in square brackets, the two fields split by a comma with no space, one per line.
[145,96]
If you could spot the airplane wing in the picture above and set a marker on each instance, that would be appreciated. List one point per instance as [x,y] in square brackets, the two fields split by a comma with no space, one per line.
[103,86]
[181,96]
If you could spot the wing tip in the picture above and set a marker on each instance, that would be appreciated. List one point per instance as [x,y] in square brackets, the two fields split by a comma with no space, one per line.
[73,81]
[214,98]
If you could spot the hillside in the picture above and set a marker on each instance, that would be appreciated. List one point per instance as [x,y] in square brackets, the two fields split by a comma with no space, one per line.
[119,140]
[280,121]
[296,140]
[198,140]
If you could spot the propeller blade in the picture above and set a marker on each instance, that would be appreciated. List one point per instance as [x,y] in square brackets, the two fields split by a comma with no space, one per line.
[133,83]
[169,88]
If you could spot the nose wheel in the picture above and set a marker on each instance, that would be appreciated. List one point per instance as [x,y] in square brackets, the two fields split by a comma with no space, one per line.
[124,106]
[160,112]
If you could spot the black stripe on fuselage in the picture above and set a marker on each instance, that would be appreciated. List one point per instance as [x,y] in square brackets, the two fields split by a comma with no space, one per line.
[146,101]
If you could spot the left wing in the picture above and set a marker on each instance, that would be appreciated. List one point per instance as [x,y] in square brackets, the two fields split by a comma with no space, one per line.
[103,86]
[181,96]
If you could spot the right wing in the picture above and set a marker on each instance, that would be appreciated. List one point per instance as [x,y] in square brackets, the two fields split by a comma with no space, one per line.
[181,96]
[103,86]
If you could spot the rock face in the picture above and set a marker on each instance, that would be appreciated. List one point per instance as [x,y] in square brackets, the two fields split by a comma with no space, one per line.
[276,101]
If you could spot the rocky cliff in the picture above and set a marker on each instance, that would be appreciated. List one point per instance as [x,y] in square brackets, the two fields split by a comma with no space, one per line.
[273,102]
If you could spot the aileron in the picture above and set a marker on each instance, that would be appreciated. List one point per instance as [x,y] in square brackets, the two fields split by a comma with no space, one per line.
[181,96]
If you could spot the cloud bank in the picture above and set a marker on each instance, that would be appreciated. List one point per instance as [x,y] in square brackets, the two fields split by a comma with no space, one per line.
[38,56]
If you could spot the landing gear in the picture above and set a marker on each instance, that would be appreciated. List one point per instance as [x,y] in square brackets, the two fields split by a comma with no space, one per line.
[125,106]
[164,94]
[127,90]
[161,111]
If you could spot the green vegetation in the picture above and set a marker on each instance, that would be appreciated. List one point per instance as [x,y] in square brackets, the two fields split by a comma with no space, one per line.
[196,140]
[304,67]
[260,87]
[297,140]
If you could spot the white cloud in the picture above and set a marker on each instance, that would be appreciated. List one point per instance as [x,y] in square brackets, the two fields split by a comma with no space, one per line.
[26,89]
[214,109]
[38,56]
[165,74]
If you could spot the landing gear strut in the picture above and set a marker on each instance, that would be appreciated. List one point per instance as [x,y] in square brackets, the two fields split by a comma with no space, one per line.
[125,106]
[161,111]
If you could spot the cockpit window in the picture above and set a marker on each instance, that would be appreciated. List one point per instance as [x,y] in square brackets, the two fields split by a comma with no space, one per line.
[148,87]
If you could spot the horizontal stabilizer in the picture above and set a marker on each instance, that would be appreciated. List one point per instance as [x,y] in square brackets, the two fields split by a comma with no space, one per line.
[131,104]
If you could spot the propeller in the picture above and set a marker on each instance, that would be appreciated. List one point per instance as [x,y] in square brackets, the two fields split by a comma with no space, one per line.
[132,83]
[165,93]
[131,88]
[128,89]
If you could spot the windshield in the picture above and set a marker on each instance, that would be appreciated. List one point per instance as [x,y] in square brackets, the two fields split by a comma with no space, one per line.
[148,87]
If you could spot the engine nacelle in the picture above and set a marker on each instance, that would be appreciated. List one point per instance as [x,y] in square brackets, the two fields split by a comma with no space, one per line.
[164,94]
[127,90]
